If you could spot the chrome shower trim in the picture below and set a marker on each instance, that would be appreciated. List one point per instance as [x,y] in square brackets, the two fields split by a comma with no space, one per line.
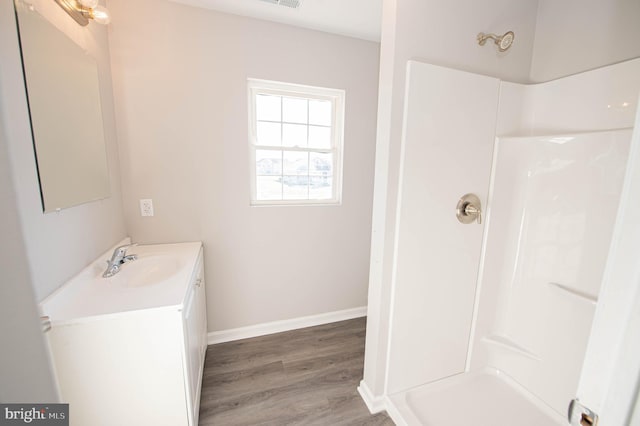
[503,42]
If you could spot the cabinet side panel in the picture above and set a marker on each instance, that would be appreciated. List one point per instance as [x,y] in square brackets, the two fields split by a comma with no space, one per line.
[195,334]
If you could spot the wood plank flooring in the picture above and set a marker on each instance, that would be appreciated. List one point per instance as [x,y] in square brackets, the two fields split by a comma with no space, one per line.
[301,377]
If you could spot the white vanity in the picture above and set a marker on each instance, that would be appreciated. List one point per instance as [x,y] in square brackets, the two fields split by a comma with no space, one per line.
[129,349]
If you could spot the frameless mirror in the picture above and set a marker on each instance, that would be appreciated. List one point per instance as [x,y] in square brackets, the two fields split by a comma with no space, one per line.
[61,80]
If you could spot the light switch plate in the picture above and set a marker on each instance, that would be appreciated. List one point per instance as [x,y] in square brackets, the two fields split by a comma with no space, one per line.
[146,207]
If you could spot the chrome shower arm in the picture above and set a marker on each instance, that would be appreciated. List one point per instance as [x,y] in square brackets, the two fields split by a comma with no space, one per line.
[482,38]
[503,42]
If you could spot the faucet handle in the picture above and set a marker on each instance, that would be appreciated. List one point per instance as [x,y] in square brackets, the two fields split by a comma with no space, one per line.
[123,249]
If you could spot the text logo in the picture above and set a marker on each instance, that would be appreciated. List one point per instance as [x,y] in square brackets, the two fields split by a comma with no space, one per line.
[34,414]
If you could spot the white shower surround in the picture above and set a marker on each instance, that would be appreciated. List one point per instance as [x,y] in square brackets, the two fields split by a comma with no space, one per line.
[425,318]
[553,207]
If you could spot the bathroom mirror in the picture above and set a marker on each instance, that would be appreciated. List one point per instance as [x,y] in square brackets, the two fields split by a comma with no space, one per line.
[61,80]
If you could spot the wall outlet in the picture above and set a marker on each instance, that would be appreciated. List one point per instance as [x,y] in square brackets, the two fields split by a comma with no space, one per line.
[146,207]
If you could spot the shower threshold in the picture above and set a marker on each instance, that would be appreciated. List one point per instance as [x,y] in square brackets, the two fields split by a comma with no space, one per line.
[483,398]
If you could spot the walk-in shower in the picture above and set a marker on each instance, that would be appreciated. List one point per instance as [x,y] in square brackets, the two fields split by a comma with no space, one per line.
[490,326]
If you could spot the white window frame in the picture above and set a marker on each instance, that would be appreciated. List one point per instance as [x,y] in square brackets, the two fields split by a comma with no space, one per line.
[336,97]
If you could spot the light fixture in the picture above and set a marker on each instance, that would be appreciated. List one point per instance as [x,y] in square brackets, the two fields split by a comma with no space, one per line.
[83,10]
[294,4]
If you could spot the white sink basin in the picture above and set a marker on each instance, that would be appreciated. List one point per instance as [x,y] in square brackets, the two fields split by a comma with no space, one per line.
[156,279]
[146,270]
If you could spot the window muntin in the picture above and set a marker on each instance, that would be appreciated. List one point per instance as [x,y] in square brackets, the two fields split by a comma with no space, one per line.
[296,143]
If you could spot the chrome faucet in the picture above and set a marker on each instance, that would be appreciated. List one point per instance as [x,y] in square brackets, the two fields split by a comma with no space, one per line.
[119,258]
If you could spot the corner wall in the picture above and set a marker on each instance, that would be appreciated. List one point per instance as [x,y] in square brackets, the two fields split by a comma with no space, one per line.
[58,245]
[180,77]
[573,36]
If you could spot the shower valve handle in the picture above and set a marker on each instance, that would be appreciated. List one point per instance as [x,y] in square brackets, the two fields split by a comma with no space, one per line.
[469,209]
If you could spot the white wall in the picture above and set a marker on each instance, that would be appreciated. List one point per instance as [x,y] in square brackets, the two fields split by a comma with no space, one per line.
[25,373]
[180,84]
[60,244]
[578,35]
[440,33]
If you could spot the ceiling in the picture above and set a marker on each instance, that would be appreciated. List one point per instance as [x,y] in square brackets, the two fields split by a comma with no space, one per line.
[353,18]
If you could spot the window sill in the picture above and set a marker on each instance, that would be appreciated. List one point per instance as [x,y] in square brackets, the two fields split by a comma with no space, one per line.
[295,203]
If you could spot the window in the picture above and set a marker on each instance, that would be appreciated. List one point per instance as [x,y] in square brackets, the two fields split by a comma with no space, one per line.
[295,136]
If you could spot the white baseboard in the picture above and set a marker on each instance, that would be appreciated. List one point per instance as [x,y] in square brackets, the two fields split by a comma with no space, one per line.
[284,325]
[375,404]
[395,414]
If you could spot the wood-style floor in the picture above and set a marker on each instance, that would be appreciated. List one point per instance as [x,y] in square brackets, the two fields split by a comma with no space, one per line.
[301,377]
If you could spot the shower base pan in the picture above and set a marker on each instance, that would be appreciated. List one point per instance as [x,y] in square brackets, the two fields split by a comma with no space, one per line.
[484,398]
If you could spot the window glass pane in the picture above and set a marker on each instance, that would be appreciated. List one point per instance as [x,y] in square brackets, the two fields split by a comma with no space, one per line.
[295,188]
[320,164]
[319,137]
[320,176]
[268,133]
[268,108]
[320,112]
[296,175]
[294,110]
[295,163]
[268,163]
[294,135]
[321,188]
[269,188]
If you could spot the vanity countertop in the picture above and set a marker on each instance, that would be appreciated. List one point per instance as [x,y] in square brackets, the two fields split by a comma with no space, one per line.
[158,279]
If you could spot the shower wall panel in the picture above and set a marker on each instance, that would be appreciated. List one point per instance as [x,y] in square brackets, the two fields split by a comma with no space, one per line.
[601,99]
[448,139]
[553,206]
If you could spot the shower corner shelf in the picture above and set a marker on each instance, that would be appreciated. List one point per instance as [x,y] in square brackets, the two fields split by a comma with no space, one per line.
[582,295]
[508,343]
